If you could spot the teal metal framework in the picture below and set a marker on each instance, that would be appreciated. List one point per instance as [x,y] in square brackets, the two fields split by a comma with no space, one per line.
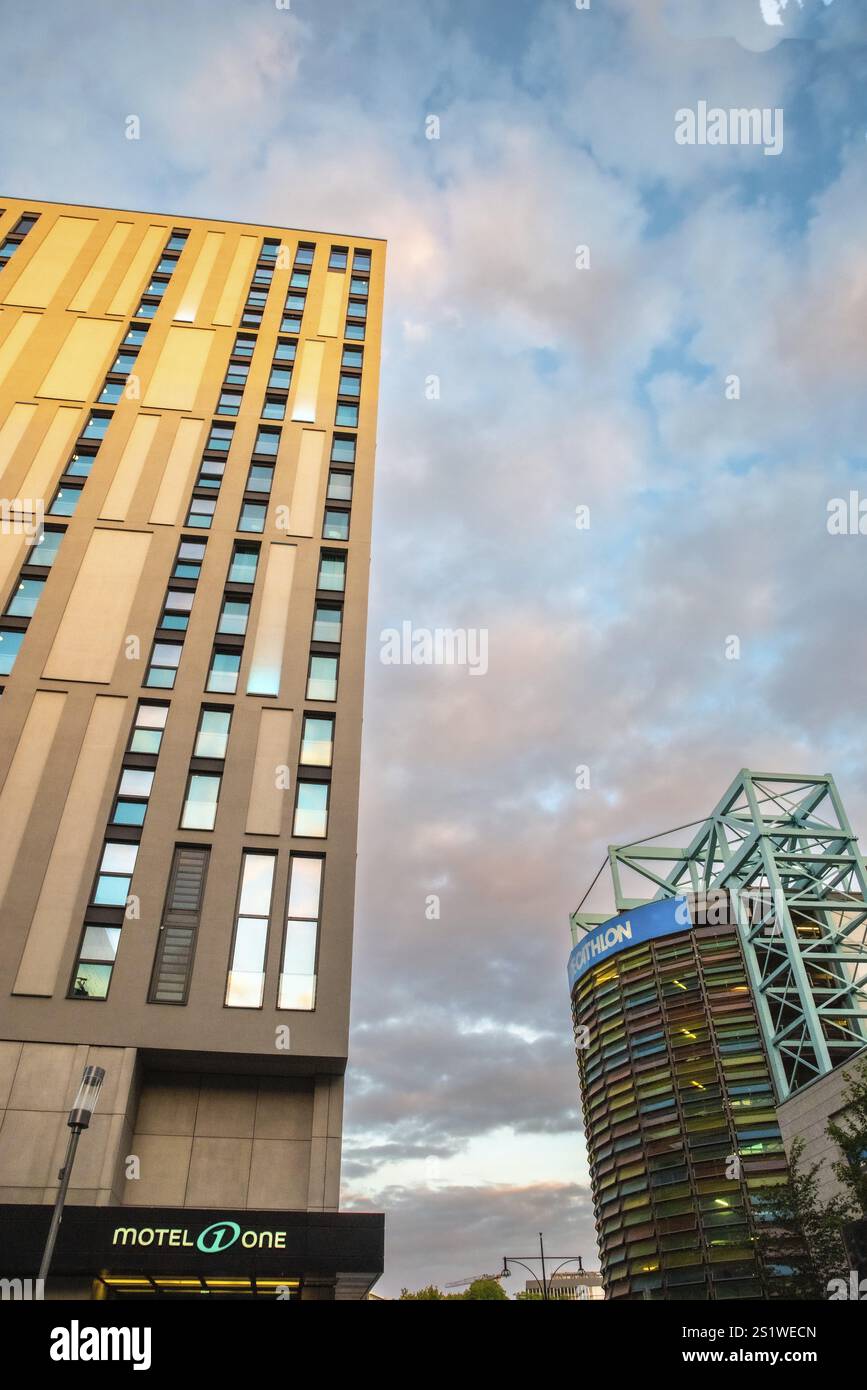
[779,854]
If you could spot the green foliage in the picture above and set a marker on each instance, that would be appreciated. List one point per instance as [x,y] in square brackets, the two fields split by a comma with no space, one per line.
[849,1133]
[479,1289]
[804,1232]
[486,1289]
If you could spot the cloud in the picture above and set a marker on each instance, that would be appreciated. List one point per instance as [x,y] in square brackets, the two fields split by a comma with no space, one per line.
[759,25]
[559,387]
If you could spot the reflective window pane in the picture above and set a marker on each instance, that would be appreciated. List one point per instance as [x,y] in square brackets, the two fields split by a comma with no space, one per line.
[322,681]
[233,617]
[23,602]
[136,781]
[332,572]
[200,807]
[317,740]
[326,624]
[311,810]
[257,877]
[223,675]
[336,525]
[213,736]
[10,645]
[46,548]
[244,562]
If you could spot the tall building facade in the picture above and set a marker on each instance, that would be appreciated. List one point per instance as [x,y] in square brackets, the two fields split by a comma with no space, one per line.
[187,428]
[702,1015]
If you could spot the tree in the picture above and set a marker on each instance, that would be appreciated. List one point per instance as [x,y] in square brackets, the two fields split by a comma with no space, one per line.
[849,1133]
[804,1232]
[479,1290]
[485,1290]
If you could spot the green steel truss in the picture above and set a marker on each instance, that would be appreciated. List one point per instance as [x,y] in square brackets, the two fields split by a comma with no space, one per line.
[779,854]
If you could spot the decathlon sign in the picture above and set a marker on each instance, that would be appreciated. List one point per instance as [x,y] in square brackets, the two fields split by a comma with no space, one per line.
[628,929]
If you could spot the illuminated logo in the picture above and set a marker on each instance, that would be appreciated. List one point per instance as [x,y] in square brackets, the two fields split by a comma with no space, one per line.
[213,1240]
[225,1233]
[603,941]
[658,918]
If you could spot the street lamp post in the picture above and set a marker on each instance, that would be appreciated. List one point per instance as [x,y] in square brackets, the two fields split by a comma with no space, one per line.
[79,1119]
[563,1259]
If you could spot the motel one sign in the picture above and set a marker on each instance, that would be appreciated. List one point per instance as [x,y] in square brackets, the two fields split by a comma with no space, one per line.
[211,1241]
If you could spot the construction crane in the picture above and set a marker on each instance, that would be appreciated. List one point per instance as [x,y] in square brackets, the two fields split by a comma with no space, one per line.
[459,1283]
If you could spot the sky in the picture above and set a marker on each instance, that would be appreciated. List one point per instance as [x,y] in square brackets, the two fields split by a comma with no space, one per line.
[623,380]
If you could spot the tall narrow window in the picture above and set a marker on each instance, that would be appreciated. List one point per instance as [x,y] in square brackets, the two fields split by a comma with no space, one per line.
[233,616]
[147,732]
[317,740]
[223,675]
[245,559]
[343,448]
[131,802]
[339,486]
[212,736]
[200,803]
[326,623]
[10,645]
[115,874]
[332,571]
[92,975]
[298,968]
[246,982]
[164,662]
[25,597]
[335,527]
[322,678]
[311,810]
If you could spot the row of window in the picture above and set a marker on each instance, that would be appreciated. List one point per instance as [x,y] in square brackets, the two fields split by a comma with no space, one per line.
[26,595]
[110,895]
[245,985]
[77,470]
[117,380]
[13,239]
[254,506]
[245,978]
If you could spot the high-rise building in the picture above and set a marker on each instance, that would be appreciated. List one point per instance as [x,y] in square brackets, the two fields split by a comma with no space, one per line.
[730,985]
[187,426]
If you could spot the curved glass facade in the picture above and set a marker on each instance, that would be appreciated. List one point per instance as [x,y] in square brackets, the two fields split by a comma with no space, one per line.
[680,1120]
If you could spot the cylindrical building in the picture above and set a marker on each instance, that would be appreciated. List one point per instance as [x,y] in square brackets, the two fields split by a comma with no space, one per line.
[679,1109]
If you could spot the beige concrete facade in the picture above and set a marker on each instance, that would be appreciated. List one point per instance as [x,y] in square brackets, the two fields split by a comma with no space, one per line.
[205,1104]
[806,1116]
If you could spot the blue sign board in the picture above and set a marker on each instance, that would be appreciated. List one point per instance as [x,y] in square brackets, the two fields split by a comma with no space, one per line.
[661,918]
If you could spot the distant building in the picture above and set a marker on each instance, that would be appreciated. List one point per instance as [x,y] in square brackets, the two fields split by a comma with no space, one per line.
[578,1285]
